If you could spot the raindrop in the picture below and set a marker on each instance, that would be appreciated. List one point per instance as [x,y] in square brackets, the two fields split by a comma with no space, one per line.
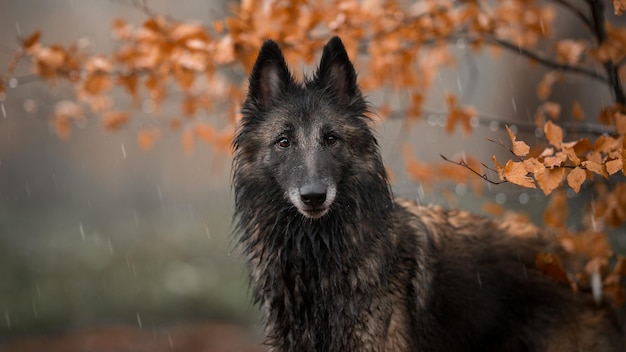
[18,29]
[420,193]
[110,245]
[83,42]
[500,198]
[35,312]
[442,120]
[159,192]
[169,338]
[2,97]
[27,189]
[38,289]
[123,151]
[596,286]
[139,321]
[432,120]
[30,106]
[148,106]
[82,231]
[208,233]
[494,125]
[474,121]
[514,105]
[136,219]
[4,112]
[460,189]
[13,82]
[7,318]
[524,198]
[459,84]
[480,283]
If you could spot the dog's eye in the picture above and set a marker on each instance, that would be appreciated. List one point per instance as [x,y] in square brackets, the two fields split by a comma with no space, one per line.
[283,143]
[330,139]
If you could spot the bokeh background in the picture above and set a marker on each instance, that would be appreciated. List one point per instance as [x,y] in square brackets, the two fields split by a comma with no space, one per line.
[99,238]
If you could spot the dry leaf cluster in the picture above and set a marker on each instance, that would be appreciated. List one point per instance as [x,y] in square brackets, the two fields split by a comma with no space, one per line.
[399,46]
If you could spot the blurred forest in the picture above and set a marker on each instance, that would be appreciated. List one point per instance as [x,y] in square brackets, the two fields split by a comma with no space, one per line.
[115,128]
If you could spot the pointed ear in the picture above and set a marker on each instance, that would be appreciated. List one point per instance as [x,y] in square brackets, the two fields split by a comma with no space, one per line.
[336,72]
[270,75]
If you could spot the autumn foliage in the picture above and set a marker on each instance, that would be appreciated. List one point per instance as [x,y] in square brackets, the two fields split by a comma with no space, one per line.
[399,46]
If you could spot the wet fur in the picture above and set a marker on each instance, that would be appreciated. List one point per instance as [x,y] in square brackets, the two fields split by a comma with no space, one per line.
[373,273]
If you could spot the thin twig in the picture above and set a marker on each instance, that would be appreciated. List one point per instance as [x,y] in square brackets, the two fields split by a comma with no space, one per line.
[501,143]
[599,30]
[576,11]
[484,176]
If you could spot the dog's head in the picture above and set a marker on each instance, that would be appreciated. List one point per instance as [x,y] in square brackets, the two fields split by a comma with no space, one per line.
[306,137]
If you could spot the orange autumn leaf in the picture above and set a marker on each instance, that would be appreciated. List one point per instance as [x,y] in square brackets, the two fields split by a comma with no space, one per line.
[113,120]
[551,266]
[571,154]
[555,214]
[576,178]
[544,88]
[570,51]
[494,209]
[553,110]
[533,165]
[620,123]
[549,179]
[577,111]
[499,167]
[595,167]
[619,6]
[30,42]
[458,115]
[62,126]
[516,173]
[205,133]
[520,148]
[606,144]
[147,137]
[613,166]
[553,133]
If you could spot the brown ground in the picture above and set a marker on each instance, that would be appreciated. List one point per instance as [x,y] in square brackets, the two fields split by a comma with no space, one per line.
[209,337]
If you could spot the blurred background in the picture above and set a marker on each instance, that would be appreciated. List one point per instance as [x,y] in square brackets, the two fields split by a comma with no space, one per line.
[101,241]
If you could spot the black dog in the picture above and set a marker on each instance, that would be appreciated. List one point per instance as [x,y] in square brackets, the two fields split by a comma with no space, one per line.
[338,265]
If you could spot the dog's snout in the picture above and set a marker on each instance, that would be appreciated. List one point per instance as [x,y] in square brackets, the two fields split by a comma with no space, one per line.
[313,195]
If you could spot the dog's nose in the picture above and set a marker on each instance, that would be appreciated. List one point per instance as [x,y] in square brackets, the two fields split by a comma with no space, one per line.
[313,195]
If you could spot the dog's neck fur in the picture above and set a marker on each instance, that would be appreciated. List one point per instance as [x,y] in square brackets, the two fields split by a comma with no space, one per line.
[316,277]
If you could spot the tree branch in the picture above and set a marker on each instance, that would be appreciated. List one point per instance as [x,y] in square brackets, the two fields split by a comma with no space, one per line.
[547,62]
[484,176]
[599,31]
[576,11]
[588,128]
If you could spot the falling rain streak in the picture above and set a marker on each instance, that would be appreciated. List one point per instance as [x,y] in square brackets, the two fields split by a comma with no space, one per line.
[82,231]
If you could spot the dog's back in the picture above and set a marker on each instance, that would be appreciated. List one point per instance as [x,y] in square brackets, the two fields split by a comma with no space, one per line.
[487,294]
[338,265]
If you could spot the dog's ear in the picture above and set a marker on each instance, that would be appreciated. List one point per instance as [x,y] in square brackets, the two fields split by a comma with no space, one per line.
[270,75]
[336,72]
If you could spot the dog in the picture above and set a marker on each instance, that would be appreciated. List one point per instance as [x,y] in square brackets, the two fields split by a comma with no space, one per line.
[338,264]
